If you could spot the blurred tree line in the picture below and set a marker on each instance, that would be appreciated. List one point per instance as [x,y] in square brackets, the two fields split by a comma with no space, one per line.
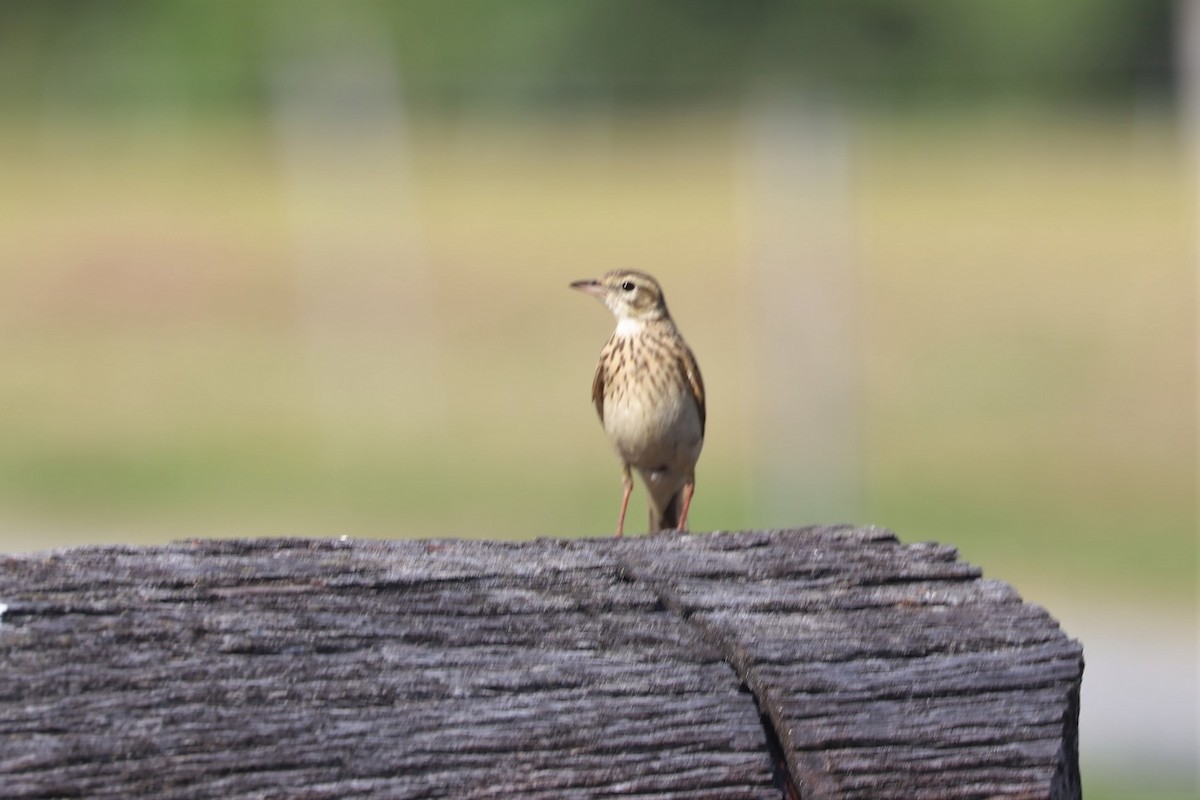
[216,54]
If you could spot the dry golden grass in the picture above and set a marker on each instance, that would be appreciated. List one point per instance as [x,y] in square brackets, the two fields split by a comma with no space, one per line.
[205,335]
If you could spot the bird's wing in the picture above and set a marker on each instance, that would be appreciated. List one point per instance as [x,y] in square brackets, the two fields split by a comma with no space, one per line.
[598,390]
[691,372]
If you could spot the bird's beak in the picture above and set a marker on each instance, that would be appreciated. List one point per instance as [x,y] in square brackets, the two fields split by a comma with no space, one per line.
[592,287]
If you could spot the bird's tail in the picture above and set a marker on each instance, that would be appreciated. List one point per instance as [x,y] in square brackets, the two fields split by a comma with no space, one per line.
[666,519]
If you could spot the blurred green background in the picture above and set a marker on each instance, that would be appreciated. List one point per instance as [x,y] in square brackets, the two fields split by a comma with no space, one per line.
[276,268]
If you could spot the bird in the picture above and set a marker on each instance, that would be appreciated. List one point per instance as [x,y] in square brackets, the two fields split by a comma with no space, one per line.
[649,395]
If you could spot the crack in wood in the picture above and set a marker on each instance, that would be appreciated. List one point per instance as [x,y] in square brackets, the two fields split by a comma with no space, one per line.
[782,774]
[881,669]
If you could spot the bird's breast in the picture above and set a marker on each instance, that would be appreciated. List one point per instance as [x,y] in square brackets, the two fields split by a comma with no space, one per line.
[650,414]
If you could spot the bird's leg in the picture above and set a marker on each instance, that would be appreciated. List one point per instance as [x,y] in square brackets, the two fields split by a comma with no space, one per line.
[688,488]
[627,484]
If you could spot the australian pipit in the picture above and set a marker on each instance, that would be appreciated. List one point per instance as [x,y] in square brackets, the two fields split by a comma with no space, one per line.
[649,395]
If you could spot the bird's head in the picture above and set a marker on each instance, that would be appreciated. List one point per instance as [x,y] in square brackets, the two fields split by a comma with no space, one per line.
[629,294]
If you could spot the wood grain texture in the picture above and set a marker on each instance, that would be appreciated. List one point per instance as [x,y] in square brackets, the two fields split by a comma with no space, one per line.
[887,671]
[545,669]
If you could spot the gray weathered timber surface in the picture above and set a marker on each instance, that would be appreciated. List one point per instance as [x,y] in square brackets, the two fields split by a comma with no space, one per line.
[887,671]
[546,669]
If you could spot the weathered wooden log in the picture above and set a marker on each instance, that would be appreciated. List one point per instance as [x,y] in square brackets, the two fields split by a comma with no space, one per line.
[815,663]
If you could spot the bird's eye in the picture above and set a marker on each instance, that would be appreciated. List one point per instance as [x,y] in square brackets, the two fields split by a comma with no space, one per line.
[627,286]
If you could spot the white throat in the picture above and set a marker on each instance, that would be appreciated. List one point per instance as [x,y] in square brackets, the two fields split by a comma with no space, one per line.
[629,327]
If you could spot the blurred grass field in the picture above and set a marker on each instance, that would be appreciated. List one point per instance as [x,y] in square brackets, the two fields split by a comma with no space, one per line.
[185,355]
